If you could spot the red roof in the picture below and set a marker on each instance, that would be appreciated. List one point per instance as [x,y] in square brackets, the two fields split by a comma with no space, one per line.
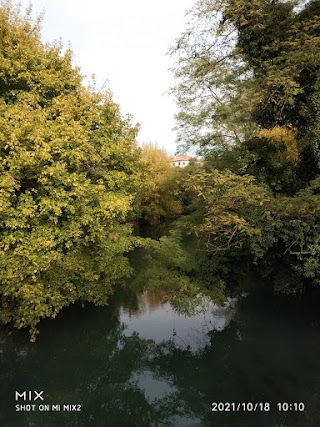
[180,158]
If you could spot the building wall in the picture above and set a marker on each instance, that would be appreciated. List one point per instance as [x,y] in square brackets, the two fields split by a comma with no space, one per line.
[180,163]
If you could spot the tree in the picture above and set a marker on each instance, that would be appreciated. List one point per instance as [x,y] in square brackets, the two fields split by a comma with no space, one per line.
[237,221]
[265,78]
[238,73]
[160,193]
[214,84]
[228,210]
[68,180]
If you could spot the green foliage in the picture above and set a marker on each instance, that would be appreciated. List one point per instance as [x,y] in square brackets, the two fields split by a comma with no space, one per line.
[293,259]
[248,92]
[245,65]
[27,64]
[170,271]
[237,221]
[68,180]
[265,158]
[228,209]
[160,190]
[214,90]
[283,57]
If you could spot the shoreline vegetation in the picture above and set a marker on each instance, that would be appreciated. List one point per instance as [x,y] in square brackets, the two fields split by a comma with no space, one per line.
[75,185]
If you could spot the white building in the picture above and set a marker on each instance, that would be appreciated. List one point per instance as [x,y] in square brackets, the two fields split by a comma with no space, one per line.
[180,161]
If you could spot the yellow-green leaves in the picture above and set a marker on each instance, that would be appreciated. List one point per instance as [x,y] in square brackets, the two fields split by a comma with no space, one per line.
[160,190]
[68,180]
[230,209]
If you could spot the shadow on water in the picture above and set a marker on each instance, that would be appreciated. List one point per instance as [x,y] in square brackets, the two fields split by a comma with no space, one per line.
[138,363]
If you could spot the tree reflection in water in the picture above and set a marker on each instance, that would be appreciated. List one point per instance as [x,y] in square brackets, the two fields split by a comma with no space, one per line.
[104,359]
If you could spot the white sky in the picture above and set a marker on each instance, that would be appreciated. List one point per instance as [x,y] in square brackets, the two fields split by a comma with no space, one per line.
[124,42]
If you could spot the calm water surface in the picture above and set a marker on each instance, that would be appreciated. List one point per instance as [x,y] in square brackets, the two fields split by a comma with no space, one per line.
[137,363]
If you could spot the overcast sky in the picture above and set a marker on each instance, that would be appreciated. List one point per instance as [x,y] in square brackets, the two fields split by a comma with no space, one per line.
[124,42]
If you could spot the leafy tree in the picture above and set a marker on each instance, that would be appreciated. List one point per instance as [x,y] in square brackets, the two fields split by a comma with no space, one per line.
[272,158]
[228,209]
[292,261]
[160,193]
[237,221]
[248,92]
[238,73]
[68,180]
[214,90]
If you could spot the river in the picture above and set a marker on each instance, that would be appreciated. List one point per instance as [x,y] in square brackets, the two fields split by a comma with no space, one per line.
[137,363]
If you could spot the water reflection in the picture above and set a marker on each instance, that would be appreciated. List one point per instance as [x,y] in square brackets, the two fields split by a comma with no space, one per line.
[138,363]
[157,320]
